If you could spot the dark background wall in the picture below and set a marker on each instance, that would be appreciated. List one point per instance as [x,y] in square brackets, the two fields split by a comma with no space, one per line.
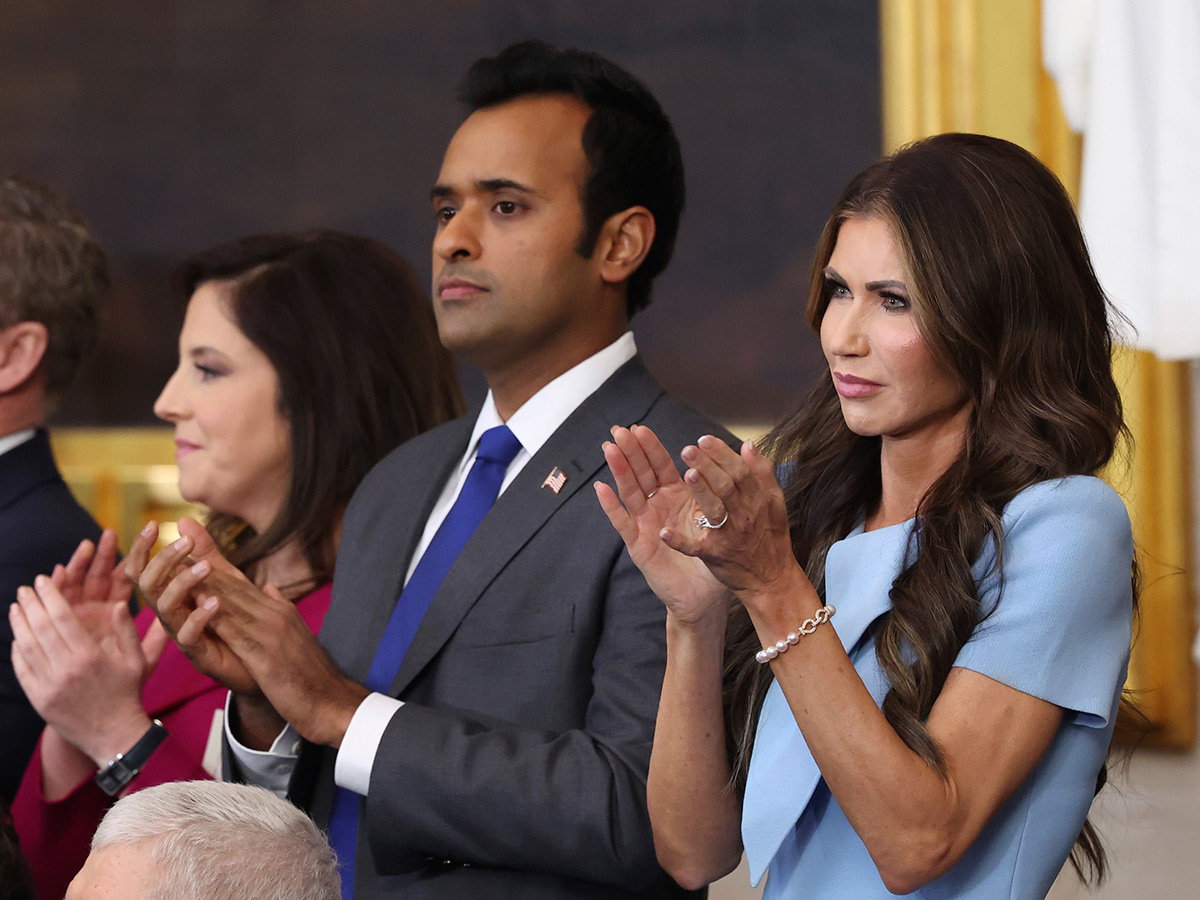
[174,125]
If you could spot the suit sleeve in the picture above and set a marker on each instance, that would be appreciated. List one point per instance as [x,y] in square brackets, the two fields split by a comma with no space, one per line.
[455,785]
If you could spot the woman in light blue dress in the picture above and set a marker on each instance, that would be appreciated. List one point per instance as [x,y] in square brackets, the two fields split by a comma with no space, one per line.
[900,671]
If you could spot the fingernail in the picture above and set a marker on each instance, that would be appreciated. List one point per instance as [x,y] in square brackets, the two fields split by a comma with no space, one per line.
[210,604]
[691,476]
[200,568]
[180,544]
[41,581]
[751,446]
[149,527]
[689,452]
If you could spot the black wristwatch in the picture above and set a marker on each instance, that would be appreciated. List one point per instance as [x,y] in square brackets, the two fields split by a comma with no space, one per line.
[121,770]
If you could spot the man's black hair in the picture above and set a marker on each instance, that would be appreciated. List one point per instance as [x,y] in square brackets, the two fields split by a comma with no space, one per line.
[628,141]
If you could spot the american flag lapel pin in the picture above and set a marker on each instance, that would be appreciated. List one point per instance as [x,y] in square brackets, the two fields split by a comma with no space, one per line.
[555,480]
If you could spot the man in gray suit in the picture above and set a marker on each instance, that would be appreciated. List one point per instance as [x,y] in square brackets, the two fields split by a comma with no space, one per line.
[505,753]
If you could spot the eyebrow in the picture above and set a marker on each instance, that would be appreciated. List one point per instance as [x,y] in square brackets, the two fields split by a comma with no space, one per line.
[484,186]
[894,284]
[204,350]
[832,274]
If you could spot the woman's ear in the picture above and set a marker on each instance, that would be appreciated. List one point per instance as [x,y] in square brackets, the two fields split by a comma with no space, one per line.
[22,347]
[624,242]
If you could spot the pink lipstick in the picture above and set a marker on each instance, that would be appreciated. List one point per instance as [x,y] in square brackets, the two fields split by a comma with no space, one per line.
[853,387]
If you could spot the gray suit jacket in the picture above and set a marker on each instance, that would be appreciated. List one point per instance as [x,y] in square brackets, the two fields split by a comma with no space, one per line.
[517,766]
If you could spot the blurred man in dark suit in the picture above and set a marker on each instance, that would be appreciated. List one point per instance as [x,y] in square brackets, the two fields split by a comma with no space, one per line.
[52,276]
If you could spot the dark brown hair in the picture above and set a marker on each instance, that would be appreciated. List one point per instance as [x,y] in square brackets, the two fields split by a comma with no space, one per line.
[1006,299]
[629,142]
[350,333]
[52,271]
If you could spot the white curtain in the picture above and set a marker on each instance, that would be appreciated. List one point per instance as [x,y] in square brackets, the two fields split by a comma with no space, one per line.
[1128,73]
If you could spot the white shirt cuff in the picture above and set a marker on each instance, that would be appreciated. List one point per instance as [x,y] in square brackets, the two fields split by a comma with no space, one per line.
[352,770]
[271,769]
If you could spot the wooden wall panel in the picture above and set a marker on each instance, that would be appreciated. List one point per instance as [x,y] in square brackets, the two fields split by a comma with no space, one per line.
[177,124]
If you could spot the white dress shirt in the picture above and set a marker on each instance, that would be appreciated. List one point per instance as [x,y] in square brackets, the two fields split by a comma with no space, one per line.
[16,439]
[532,425]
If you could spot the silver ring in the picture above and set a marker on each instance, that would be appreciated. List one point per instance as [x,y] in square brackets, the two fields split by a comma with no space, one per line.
[702,521]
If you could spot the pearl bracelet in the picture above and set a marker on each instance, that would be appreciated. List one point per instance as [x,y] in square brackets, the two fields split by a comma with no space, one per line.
[769,652]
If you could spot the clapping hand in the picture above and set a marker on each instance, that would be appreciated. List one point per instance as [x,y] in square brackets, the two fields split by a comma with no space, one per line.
[251,639]
[77,655]
[654,502]
[92,582]
[725,516]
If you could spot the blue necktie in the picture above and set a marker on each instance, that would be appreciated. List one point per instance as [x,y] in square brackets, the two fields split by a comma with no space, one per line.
[497,448]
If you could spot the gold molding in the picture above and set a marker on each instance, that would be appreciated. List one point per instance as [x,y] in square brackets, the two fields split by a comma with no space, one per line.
[124,477]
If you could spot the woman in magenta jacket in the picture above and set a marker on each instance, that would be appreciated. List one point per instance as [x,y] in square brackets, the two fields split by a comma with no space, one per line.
[303,359]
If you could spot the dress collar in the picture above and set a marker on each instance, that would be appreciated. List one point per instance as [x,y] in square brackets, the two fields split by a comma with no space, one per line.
[859,572]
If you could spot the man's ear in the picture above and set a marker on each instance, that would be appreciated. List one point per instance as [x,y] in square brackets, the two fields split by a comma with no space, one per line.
[22,347]
[624,242]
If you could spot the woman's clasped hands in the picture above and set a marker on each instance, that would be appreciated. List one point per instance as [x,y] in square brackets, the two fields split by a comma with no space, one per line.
[719,529]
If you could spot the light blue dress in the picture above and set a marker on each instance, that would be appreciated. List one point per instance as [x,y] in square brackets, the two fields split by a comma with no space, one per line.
[1061,632]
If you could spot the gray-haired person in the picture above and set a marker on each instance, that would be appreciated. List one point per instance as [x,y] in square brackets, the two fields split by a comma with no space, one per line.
[205,840]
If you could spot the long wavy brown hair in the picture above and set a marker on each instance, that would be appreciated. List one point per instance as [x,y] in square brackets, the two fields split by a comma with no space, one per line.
[1006,299]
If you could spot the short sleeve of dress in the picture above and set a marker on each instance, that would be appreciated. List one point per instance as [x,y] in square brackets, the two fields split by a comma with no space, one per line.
[1058,618]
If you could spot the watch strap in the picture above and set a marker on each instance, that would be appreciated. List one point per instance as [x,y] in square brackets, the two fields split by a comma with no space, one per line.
[121,770]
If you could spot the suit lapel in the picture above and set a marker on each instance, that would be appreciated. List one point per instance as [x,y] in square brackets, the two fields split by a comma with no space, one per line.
[526,506]
[371,592]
